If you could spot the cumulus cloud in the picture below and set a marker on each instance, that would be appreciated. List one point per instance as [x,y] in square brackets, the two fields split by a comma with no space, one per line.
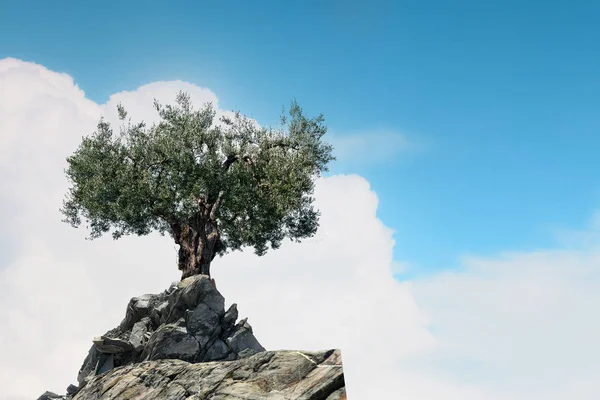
[511,327]
[517,320]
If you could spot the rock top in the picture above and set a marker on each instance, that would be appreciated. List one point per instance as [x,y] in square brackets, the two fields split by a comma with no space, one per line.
[183,344]
[274,375]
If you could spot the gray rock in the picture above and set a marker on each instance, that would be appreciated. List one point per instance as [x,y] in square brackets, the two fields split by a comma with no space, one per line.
[268,375]
[50,396]
[134,313]
[89,364]
[243,339]
[157,312]
[142,303]
[186,322]
[174,309]
[173,342]
[339,394]
[247,353]
[215,301]
[105,363]
[218,351]
[195,288]
[72,389]
[202,320]
[172,287]
[231,315]
[181,322]
[138,336]
[112,345]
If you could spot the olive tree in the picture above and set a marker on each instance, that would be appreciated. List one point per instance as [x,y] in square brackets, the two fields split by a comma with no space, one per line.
[214,185]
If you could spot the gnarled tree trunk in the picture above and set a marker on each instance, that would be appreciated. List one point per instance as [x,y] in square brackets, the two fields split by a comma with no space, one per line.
[198,239]
[198,246]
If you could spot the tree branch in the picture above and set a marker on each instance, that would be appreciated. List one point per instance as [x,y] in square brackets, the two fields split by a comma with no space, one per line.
[161,162]
[202,201]
[216,205]
[279,143]
[282,144]
[229,161]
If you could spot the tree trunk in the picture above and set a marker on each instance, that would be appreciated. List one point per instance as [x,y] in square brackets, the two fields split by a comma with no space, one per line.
[198,239]
[197,247]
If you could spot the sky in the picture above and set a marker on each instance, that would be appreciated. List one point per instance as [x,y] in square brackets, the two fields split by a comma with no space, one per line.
[466,136]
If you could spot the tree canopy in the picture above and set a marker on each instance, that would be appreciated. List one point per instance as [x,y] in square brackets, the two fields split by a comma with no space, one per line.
[228,181]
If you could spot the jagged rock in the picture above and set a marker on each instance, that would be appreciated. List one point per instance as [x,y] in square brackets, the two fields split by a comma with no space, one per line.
[268,375]
[157,312]
[243,339]
[106,362]
[339,394]
[218,351]
[171,341]
[72,389]
[231,315]
[89,365]
[50,396]
[112,345]
[183,322]
[181,343]
[202,319]
[138,336]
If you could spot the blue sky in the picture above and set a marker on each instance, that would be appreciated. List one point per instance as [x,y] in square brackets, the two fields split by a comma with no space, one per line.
[497,101]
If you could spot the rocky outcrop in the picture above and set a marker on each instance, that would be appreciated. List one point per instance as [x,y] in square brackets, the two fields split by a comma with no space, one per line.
[182,344]
[187,322]
[280,375]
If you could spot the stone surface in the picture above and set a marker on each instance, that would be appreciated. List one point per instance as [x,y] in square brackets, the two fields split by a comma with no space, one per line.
[106,362]
[50,396]
[218,351]
[275,375]
[112,345]
[183,344]
[138,337]
[171,341]
[202,319]
[243,339]
[183,322]
[72,389]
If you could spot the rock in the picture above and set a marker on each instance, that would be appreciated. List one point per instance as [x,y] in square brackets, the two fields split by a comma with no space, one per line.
[89,364]
[157,312]
[243,339]
[50,396]
[106,362]
[231,315]
[216,302]
[202,319]
[339,394]
[182,342]
[218,351]
[72,389]
[267,375]
[112,345]
[246,353]
[173,342]
[138,336]
[172,288]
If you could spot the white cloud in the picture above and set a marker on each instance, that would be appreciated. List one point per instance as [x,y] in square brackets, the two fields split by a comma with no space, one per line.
[518,326]
[518,320]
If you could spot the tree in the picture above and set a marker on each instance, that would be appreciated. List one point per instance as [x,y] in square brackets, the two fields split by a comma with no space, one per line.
[213,187]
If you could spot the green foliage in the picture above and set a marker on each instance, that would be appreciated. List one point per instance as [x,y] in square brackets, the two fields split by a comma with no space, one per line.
[148,178]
